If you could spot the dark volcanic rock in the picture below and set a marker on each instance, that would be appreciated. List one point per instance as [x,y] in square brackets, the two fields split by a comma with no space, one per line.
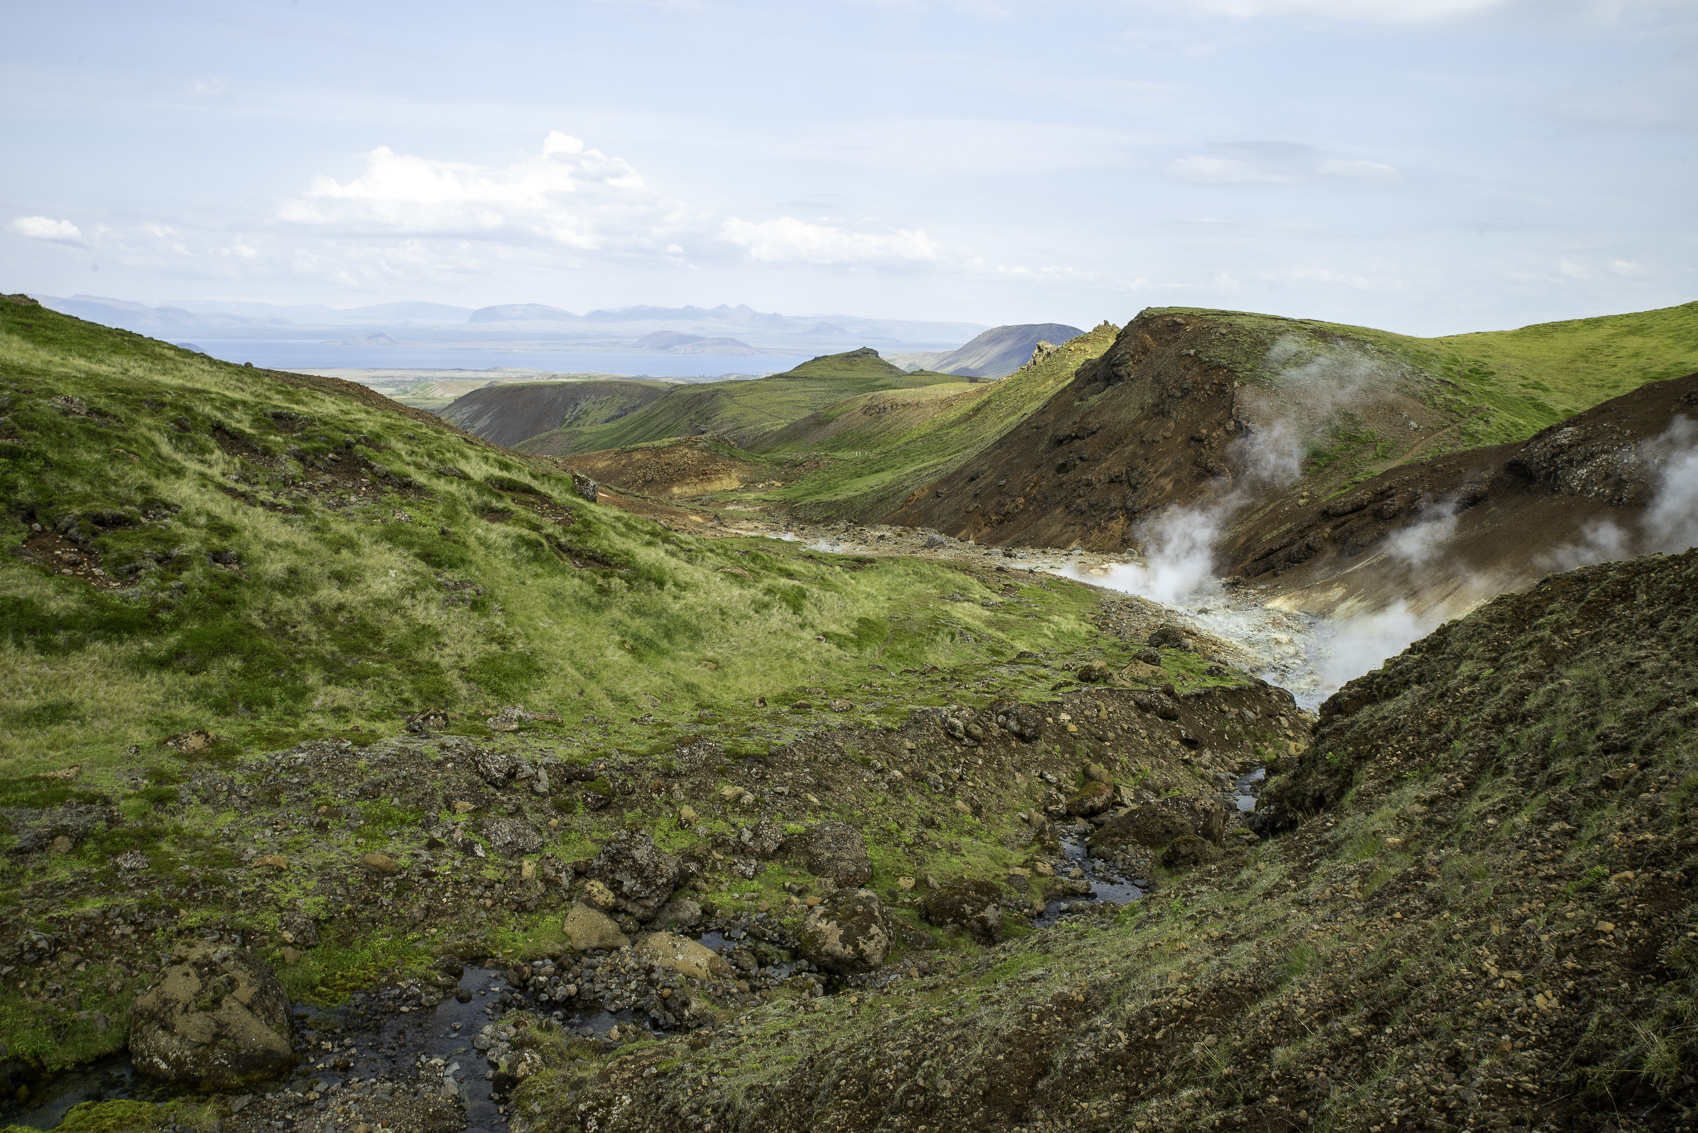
[972,905]
[640,874]
[1159,823]
[509,836]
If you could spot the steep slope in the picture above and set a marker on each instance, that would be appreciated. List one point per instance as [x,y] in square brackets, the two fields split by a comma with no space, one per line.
[1191,406]
[1614,481]
[1001,350]
[509,412]
[1483,919]
[738,410]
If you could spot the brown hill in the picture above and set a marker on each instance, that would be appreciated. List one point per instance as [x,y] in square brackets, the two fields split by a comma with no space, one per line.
[1183,406]
[689,467]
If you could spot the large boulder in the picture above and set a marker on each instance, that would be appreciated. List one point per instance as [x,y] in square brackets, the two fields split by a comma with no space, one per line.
[640,874]
[1022,721]
[972,905]
[837,852]
[588,927]
[216,1019]
[1157,824]
[848,935]
[1092,799]
[684,956]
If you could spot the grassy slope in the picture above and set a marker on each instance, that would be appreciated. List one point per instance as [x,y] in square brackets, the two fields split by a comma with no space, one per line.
[353,592]
[343,615]
[740,409]
[875,459]
[1495,386]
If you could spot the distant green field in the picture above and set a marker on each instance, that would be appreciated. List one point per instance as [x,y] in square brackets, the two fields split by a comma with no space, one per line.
[740,410]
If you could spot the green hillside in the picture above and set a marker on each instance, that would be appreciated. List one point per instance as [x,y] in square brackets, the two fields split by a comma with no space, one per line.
[883,446]
[1495,387]
[740,410]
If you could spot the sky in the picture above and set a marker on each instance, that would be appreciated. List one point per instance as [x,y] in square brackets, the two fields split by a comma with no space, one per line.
[1424,166]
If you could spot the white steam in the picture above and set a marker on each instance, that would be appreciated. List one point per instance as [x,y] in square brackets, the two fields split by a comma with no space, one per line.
[1669,522]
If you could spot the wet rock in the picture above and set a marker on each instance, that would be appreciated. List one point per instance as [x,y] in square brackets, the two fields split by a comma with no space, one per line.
[300,930]
[836,851]
[847,935]
[1187,850]
[641,875]
[1159,823]
[587,928]
[509,837]
[971,905]
[686,957]
[217,1018]
[1093,799]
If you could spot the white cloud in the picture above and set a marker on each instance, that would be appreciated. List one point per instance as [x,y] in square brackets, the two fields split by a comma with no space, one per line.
[788,240]
[566,194]
[46,228]
[1201,170]
[1359,170]
[1391,11]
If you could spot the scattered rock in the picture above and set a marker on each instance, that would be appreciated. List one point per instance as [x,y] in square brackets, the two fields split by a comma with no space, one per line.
[1092,800]
[1159,823]
[429,720]
[300,930]
[272,861]
[381,863]
[216,1019]
[836,851]
[589,928]
[641,875]
[1094,672]
[594,893]
[971,905]
[509,837]
[1022,721]
[686,957]
[680,911]
[848,935]
[1187,850]
[497,768]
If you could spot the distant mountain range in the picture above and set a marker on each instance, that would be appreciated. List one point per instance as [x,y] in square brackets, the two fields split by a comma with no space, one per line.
[681,330]
[996,353]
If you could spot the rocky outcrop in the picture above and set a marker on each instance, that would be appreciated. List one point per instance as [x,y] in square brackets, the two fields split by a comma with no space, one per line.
[216,1019]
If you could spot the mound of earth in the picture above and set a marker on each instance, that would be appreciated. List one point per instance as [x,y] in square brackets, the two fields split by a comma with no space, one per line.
[510,412]
[1482,918]
[686,468]
[1452,531]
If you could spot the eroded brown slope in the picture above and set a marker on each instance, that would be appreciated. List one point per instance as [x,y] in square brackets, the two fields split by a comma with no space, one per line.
[1184,406]
[1464,526]
[506,413]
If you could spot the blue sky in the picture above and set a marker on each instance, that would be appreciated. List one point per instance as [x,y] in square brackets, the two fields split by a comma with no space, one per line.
[1426,166]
